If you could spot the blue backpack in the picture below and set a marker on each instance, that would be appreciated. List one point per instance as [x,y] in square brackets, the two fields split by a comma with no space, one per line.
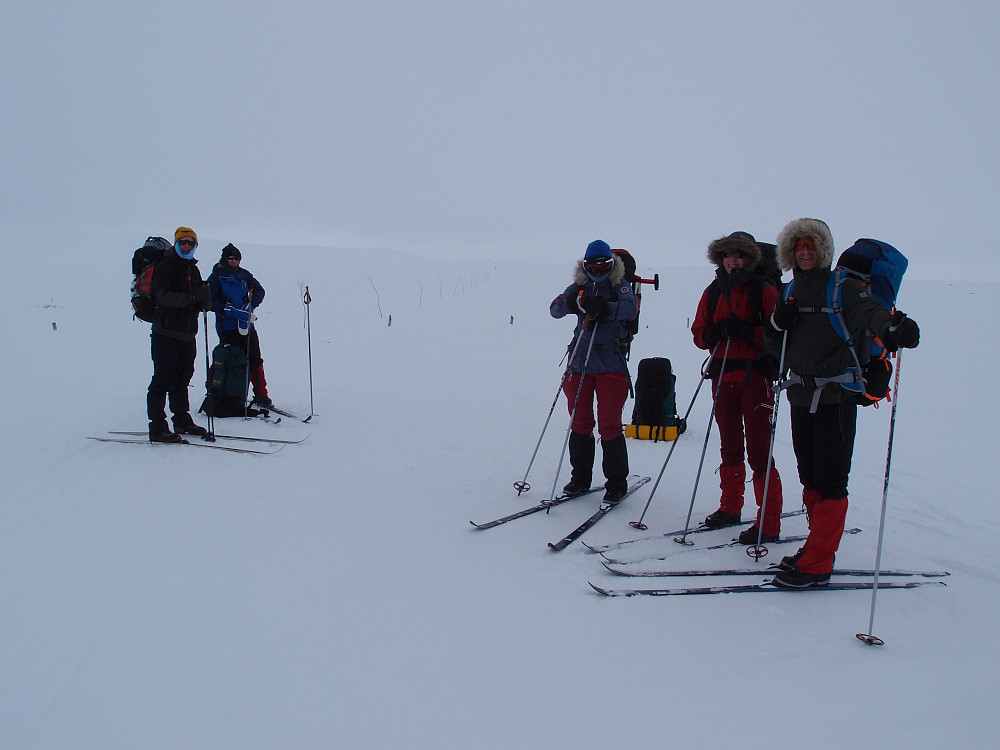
[880,267]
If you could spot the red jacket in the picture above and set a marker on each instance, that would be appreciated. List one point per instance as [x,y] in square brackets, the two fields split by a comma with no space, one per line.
[734,301]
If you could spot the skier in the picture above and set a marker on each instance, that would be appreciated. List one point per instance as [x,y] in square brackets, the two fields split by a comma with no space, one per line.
[745,403]
[179,294]
[235,295]
[603,302]
[823,415]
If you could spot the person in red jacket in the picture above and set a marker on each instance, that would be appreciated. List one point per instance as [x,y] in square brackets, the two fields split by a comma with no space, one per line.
[729,321]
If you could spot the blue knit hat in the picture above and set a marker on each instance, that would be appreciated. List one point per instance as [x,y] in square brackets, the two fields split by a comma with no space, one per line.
[598,249]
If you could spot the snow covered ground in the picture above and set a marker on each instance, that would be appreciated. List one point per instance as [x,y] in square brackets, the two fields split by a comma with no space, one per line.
[335,595]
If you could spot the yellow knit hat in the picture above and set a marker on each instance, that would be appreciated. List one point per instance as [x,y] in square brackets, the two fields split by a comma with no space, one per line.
[185,232]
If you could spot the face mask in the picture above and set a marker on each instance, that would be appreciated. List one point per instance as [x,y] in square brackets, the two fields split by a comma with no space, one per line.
[185,255]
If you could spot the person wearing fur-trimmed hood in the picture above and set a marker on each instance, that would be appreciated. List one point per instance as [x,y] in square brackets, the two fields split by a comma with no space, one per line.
[603,303]
[730,322]
[823,414]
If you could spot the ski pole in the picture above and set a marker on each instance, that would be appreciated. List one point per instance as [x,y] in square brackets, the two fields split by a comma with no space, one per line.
[210,412]
[522,485]
[306,299]
[758,551]
[246,342]
[868,638]
[701,381]
[715,400]
[576,403]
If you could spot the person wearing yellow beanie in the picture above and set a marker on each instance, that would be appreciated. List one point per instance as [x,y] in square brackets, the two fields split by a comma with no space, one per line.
[179,296]
[185,242]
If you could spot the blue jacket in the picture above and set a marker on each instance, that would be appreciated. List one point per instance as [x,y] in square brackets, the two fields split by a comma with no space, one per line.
[622,306]
[229,295]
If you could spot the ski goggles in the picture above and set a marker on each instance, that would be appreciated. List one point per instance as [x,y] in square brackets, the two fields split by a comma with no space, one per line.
[598,266]
[187,242]
[735,254]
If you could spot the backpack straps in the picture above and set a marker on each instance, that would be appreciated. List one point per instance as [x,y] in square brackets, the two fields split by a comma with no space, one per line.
[755,295]
[851,379]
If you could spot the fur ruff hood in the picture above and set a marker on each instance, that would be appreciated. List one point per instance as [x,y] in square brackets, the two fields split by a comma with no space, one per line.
[614,277]
[736,241]
[814,228]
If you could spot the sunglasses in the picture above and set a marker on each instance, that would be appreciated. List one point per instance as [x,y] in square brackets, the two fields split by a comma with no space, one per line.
[188,243]
[598,264]
[734,254]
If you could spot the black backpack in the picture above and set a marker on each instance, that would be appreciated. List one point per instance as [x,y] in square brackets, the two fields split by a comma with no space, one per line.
[144,261]
[768,266]
[656,400]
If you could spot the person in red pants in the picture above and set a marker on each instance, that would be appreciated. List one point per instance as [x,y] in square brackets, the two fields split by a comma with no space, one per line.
[730,321]
[236,294]
[823,413]
[603,302]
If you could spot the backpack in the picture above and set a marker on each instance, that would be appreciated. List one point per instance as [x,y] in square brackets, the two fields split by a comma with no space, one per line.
[654,416]
[144,261]
[880,267]
[227,383]
[768,265]
[632,326]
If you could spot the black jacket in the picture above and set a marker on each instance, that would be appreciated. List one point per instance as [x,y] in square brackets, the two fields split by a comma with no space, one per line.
[174,282]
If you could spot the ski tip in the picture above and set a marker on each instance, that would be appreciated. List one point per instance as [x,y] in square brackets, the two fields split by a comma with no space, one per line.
[599,590]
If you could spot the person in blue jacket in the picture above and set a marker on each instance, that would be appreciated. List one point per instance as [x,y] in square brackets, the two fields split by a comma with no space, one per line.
[603,302]
[235,296]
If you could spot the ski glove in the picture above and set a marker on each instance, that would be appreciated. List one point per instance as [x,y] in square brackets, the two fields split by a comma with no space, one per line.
[239,314]
[902,334]
[786,314]
[737,329]
[203,297]
[592,306]
[713,334]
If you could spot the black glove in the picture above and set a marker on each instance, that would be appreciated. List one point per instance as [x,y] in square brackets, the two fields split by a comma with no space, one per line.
[593,306]
[203,297]
[786,314]
[713,334]
[737,329]
[902,334]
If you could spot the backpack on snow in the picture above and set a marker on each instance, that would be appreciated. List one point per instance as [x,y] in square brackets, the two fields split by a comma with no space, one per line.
[880,267]
[227,384]
[654,416]
[144,261]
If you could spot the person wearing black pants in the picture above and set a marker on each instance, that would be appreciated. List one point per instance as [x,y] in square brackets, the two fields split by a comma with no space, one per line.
[179,295]
[823,413]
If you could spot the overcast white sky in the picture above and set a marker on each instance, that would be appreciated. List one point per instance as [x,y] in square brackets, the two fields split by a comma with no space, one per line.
[514,127]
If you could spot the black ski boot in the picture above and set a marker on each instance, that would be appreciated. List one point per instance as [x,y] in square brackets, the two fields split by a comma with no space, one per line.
[796,579]
[721,519]
[160,433]
[791,562]
[749,536]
